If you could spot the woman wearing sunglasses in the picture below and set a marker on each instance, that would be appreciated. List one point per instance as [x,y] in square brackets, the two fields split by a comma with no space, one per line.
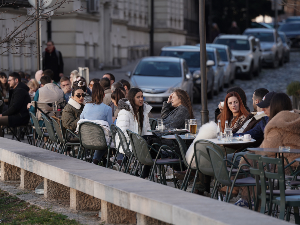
[72,111]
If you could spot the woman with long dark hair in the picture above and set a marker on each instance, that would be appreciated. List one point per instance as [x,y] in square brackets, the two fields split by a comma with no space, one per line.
[133,114]
[96,109]
[234,111]
[115,98]
[4,91]
[177,109]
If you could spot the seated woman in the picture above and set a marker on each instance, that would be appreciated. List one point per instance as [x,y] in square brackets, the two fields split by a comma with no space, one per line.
[99,113]
[73,109]
[283,129]
[177,109]
[241,93]
[234,111]
[115,98]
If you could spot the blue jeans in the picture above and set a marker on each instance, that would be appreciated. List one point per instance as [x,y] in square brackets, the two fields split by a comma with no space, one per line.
[99,154]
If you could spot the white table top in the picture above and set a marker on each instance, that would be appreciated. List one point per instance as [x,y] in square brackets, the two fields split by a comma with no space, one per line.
[216,141]
[188,137]
[234,142]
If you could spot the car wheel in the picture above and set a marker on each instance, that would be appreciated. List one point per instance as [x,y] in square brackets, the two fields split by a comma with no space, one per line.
[281,62]
[258,70]
[196,95]
[250,73]
[216,92]
[210,94]
[275,62]
[222,86]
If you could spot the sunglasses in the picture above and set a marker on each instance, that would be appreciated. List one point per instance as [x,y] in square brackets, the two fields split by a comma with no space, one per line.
[79,95]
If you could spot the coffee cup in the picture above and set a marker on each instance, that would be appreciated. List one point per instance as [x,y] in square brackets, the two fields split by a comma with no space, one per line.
[222,104]
[247,137]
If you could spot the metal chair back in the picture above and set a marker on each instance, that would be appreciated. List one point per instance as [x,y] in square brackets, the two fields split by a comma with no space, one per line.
[58,129]
[36,124]
[183,149]
[153,123]
[50,129]
[219,166]
[123,143]
[92,136]
[202,159]
[140,148]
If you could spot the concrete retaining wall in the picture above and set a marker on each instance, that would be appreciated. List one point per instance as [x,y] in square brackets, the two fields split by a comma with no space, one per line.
[122,198]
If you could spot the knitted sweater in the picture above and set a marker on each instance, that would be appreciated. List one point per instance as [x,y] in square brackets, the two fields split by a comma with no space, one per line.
[174,117]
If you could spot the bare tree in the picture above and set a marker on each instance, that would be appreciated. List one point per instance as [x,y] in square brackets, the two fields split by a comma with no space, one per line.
[15,37]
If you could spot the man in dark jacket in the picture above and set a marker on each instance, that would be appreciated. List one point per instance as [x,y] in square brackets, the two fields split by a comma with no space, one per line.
[52,59]
[17,113]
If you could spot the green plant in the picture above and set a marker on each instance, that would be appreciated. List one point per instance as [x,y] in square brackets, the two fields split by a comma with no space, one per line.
[293,89]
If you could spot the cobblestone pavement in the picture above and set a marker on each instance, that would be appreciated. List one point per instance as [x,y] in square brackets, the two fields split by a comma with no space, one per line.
[271,79]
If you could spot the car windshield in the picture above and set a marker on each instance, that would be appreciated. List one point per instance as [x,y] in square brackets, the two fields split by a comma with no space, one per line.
[161,69]
[292,19]
[210,56]
[283,38]
[263,37]
[234,44]
[192,58]
[290,27]
[223,54]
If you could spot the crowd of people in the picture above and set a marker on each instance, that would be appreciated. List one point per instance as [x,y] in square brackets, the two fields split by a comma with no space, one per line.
[105,101]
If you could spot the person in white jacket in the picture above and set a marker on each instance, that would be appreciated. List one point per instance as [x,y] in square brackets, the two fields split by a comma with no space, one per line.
[133,114]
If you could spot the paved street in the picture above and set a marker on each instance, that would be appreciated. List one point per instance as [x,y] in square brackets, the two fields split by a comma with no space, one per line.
[272,79]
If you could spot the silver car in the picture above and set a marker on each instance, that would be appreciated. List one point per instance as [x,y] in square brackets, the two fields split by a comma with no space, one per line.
[229,61]
[160,76]
[271,45]
[191,54]
[286,46]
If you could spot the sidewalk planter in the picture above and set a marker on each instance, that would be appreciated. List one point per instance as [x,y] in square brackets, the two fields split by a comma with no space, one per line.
[293,89]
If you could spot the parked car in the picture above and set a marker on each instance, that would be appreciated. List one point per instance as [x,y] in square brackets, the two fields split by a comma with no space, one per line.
[159,76]
[229,61]
[260,25]
[286,46]
[191,54]
[292,31]
[271,45]
[246,50]
[292,19]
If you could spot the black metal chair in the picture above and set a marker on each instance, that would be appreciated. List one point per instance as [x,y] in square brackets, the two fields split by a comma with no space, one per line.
[141,151]
[41,134]
[53,140]
[92,137]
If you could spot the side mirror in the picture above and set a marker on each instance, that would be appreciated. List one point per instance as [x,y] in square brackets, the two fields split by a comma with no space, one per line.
[196,74]
[188,76]
[128,74]
[210,63]
[221,64]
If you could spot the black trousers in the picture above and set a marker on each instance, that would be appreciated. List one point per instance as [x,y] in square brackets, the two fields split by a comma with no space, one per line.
[3,122]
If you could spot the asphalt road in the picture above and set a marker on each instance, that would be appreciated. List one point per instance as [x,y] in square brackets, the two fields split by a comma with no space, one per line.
[272,79]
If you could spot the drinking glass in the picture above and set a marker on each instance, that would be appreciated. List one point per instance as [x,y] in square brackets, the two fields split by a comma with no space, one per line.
[193,126]
[160,124]
[228,133]
[54,104]
[187,125]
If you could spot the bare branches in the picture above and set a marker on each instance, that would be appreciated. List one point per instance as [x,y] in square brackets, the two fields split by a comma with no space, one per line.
[17,36]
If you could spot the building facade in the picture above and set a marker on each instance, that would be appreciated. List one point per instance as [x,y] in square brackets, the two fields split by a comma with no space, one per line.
[99,33]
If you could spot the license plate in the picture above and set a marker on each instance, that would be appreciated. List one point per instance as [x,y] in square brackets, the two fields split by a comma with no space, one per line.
[154,99]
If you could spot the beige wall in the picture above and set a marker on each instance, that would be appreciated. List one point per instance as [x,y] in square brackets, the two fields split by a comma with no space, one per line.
[114,36]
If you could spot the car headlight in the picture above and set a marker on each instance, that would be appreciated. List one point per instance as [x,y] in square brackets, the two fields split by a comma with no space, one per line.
[197,74]
[240,58]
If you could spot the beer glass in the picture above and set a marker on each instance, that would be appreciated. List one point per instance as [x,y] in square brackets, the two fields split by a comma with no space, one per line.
[193,126]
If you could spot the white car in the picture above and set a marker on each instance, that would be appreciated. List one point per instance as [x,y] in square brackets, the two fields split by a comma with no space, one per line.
[246,50]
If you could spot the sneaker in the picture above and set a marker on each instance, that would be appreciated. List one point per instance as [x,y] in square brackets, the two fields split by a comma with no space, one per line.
[242,203]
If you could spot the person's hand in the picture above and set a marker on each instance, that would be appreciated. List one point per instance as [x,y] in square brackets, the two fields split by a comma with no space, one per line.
[61,74]
[29,105]
[170,98]
[220,106]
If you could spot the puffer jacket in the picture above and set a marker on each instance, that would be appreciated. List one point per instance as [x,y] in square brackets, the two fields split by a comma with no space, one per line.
[283,130]
[71,114]
[126,120]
